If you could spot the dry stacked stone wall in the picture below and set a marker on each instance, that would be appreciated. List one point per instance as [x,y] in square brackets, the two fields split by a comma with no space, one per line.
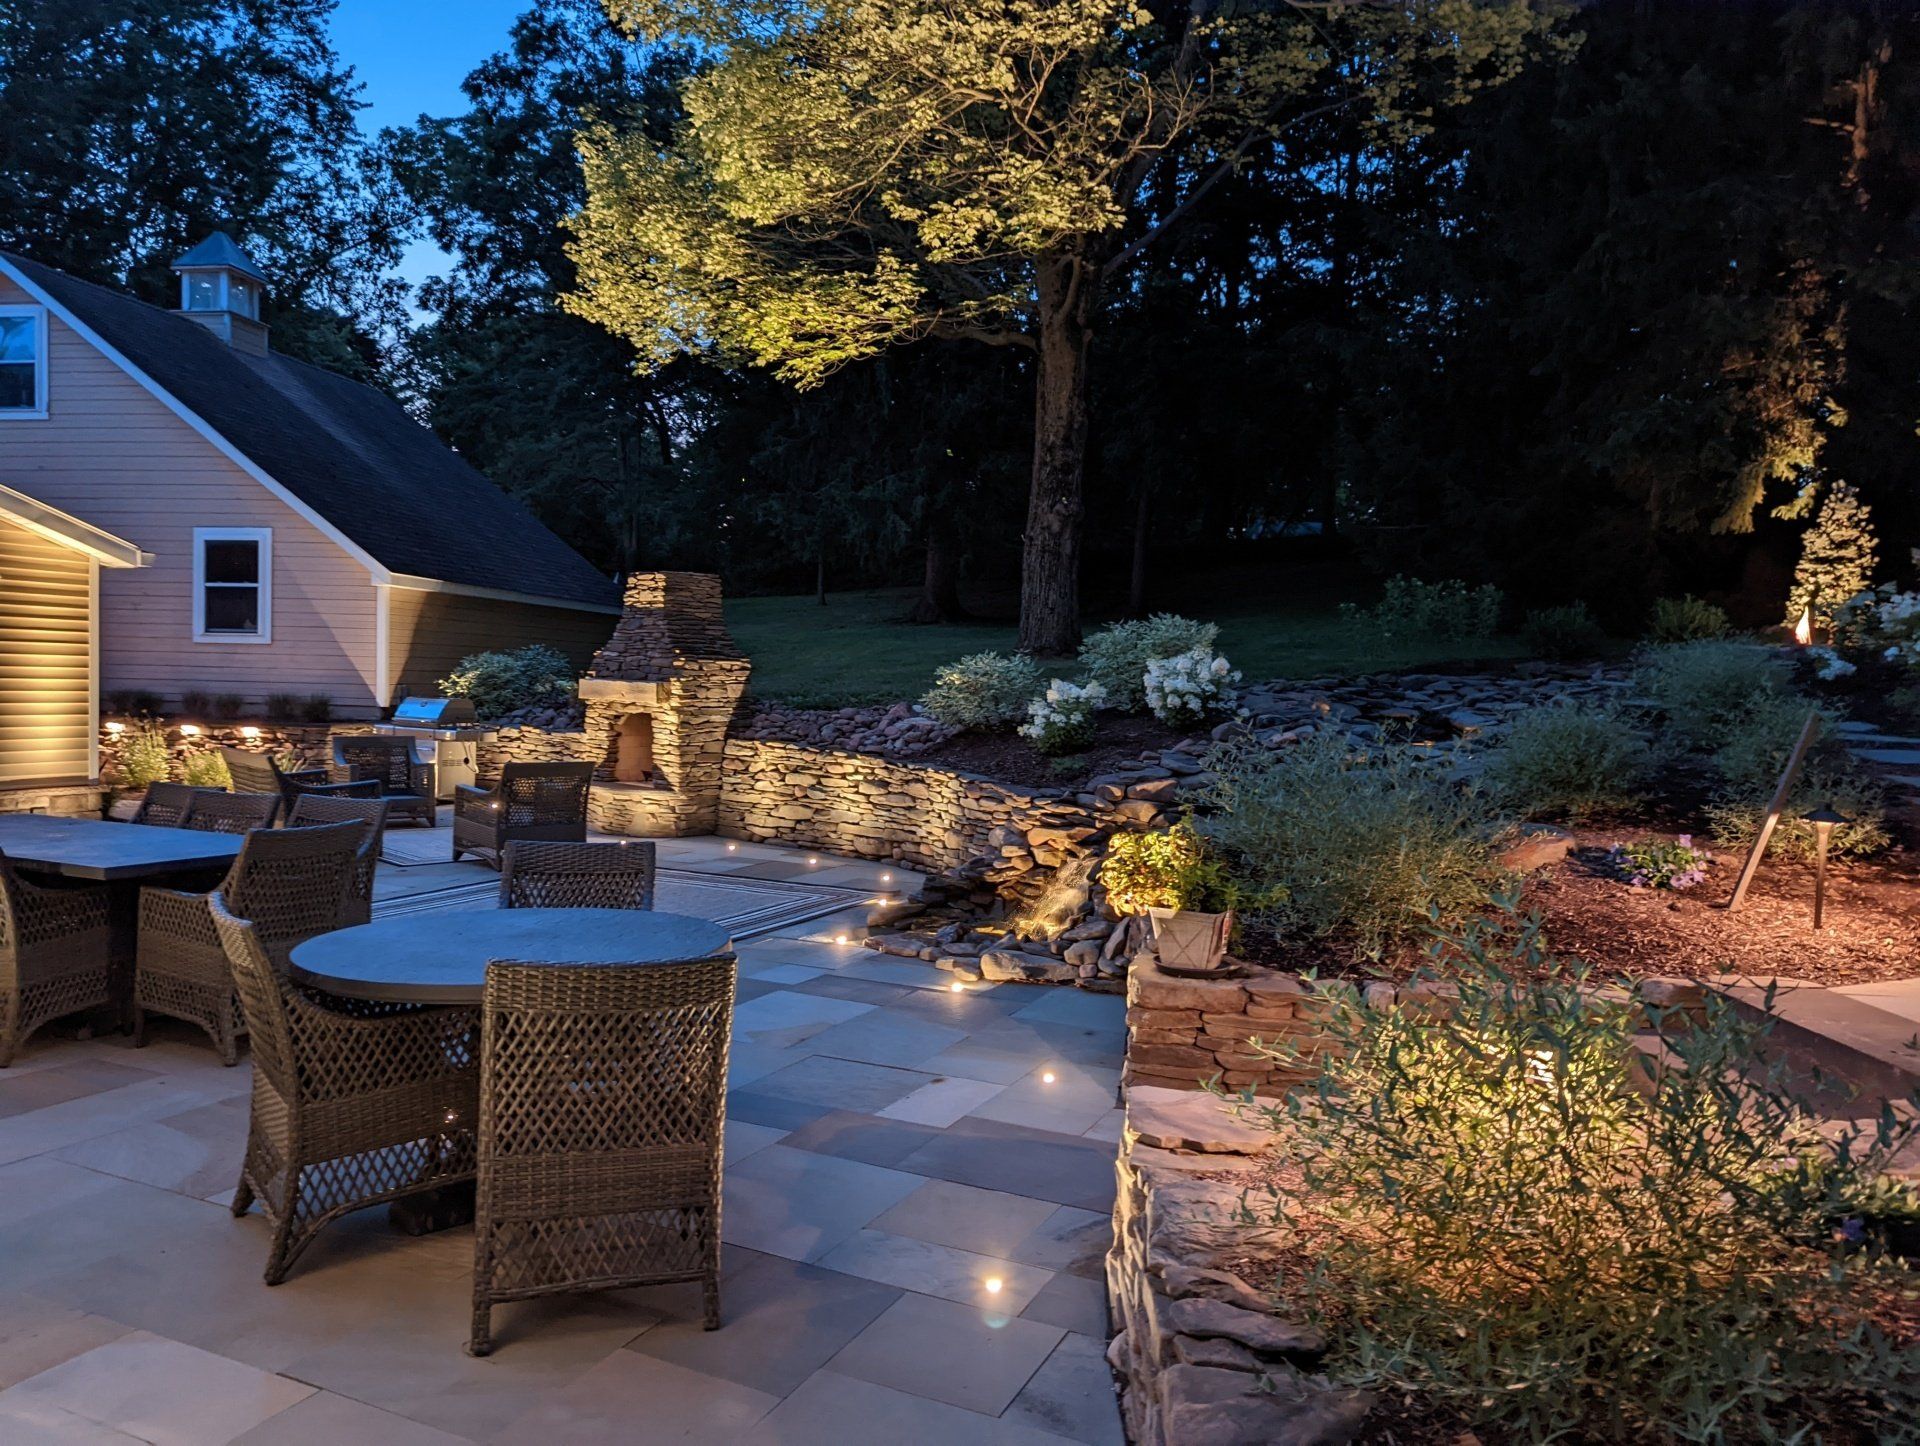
[1202,1353]
[877,808]
[1181,1031]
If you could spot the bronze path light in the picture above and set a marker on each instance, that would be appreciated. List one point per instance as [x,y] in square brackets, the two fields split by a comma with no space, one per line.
[1823,821]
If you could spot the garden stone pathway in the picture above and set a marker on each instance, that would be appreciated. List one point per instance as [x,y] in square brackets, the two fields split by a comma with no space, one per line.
[918,1193]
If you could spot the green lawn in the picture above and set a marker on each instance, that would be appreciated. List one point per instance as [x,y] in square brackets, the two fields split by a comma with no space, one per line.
[855,649]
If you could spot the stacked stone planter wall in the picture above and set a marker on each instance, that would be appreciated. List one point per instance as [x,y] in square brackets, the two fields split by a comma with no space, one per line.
[1203,1358]
[310,741]
[1181,1032]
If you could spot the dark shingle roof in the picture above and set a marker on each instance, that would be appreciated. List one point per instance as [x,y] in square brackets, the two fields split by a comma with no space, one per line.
[349,452]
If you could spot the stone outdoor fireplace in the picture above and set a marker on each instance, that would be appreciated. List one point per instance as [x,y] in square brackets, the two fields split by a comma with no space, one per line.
[659,697]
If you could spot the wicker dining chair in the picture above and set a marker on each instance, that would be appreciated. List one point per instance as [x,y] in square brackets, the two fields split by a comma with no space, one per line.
[53,956]
[217,812]
[350,1109]
[602,1096]
[316,808]
[291,883]
[543,802]
[166,805]
[577,875]
[405,780]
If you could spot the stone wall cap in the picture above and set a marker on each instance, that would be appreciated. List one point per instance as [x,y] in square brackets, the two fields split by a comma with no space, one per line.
[1192,1121]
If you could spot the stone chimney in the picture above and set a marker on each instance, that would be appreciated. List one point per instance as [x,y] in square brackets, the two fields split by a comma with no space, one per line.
[660,696]
[221,289]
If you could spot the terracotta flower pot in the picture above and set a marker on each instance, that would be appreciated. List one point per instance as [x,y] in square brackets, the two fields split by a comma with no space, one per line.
[1189,941]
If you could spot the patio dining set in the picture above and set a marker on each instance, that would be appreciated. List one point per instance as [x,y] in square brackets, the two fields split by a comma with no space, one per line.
[562,1058]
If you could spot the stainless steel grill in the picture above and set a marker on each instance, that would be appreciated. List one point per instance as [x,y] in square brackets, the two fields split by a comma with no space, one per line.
[449,736]
[434,713]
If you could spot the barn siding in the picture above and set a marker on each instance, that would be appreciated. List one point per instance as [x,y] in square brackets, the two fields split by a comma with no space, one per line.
[46,660]
[111,454]
[429,632]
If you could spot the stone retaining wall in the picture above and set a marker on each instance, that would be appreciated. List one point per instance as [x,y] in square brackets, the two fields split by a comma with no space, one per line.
[1181,1032]
[878,808]
[1202,1356]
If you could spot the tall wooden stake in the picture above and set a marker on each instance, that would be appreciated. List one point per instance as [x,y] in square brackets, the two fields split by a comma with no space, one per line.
[1808,731]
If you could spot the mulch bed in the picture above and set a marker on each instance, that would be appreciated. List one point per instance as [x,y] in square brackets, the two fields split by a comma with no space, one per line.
[1872,918]
[1011,759]
[1872,927]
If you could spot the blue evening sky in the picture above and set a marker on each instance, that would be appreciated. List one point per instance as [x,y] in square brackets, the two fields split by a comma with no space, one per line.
[411,55]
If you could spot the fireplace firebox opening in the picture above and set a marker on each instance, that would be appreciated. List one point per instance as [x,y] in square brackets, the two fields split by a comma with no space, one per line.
[633,750]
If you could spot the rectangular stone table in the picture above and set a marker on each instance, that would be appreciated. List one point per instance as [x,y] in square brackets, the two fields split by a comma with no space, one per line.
[125,857]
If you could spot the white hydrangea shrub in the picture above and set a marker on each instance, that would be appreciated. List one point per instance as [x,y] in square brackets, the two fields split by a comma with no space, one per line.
[1190,687]
[1060,720]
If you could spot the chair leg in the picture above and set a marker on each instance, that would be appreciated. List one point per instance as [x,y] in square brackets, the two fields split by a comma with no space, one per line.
[480,1341]
[710,1288]
[139,1027]
[285,1243]
[242,1197]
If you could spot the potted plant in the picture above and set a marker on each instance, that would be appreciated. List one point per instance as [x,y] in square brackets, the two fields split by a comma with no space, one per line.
[1173,878]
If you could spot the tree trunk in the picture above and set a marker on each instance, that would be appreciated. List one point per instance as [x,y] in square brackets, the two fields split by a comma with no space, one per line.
[939,600]
[1137,579]
[1050,560]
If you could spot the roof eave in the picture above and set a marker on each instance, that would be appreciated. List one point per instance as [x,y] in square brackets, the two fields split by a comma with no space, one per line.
[69,531]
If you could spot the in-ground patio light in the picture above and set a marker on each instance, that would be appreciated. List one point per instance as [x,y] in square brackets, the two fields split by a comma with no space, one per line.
[1823,820]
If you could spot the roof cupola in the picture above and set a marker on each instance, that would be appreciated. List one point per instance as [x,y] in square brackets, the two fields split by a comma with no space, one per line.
[221,288]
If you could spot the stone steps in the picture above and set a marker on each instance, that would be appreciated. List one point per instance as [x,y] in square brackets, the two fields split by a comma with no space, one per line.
[1872,1050]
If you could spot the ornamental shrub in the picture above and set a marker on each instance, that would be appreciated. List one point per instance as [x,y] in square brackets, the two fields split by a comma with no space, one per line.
[1060,720]
[983,690]
[1170,869]
[1117,655]
[1749,763]
[1410,608]
[206,770]
[1705,688]
[497,683]
[1187,689]
[1884,621]
[1686,620]
[1837,557]
[1364,846]
[1563,632]
[1509,1214]
[1567,761]
[144,758]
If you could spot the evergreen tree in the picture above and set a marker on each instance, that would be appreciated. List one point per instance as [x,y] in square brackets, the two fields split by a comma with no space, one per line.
[1837,558]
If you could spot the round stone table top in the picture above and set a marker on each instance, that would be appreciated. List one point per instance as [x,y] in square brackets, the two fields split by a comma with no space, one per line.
[441,958]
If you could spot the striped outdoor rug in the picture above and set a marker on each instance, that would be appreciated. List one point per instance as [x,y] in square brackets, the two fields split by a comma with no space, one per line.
[744,907]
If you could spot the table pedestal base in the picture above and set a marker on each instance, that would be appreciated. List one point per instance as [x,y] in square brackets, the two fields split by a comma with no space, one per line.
[433,1210]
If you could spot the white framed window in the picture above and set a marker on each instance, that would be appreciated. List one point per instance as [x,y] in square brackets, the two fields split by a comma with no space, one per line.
[233,584]
[23,363]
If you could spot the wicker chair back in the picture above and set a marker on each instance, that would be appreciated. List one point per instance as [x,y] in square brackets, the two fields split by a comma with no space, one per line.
[538,875]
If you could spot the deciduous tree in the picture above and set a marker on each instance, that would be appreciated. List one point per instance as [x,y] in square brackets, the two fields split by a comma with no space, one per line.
[868,173]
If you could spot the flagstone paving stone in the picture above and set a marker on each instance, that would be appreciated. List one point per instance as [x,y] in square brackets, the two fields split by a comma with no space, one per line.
[869,1203]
